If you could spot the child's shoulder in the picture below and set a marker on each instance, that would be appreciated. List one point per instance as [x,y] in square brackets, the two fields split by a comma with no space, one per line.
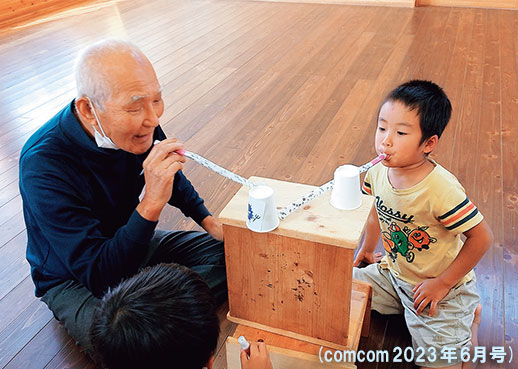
[451,204]
[443,177]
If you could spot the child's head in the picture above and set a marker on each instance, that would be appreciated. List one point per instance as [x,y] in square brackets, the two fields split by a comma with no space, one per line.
[163,316]
[430,103]
[410,122]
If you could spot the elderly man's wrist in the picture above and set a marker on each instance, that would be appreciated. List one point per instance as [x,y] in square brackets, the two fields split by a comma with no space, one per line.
[213,227]
[149,211]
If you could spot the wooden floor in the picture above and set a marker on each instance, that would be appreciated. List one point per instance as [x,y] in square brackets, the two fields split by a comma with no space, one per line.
[282,90]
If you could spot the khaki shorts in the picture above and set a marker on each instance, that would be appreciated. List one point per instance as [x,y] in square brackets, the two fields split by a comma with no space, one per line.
[450,327]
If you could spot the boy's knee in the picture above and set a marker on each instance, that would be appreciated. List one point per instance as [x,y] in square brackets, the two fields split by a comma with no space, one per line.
[367,273]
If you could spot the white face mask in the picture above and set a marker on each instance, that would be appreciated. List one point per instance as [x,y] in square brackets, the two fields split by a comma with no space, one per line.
[102,141]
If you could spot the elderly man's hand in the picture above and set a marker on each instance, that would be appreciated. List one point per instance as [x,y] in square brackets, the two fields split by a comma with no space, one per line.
[160,167]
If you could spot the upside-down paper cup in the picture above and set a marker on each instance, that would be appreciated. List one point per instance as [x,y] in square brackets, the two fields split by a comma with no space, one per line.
[346,194]
[262,213]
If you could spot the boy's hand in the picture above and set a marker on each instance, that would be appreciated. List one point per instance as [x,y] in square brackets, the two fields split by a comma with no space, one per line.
[367,253]
[367,257]
[429,291]
[259,357]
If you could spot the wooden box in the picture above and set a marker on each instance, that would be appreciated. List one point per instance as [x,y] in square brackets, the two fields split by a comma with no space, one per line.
[289,353]
[296,280]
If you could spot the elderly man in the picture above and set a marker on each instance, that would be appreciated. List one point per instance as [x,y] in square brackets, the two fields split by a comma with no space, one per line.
[94,185]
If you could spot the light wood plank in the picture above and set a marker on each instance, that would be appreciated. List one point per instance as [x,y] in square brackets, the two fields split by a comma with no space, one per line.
[16,302]
[509,111]
[22,330]
[15,267]
[489,196]
[318,221]
[42,348]
[505,4]
[281,90]
[14,12]
[399,3]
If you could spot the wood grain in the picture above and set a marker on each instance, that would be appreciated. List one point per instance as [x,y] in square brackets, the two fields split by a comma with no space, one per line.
[505,4]
[294,351]
[317,221]
[286,283]
[281,90]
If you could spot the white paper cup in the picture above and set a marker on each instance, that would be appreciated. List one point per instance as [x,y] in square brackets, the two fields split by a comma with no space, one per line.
[262,214]
[346,194]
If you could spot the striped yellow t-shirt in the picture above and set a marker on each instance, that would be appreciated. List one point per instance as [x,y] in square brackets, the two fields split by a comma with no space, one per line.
[421,226]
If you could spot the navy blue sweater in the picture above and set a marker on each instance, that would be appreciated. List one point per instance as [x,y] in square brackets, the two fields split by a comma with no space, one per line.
[79,205]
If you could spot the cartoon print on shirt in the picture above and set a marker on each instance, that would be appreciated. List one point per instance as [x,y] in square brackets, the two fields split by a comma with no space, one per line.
[403,241]
[419,238]
[397,241]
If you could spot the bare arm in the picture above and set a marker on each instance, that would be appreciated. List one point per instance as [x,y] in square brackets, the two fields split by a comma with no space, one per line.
[372,235]
[213,227]
[433,290]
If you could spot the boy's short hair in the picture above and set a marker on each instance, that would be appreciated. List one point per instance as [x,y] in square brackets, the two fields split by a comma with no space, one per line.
[163,317]
[430,100]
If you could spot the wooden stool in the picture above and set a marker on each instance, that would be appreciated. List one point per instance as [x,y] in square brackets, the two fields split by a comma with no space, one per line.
[295,281]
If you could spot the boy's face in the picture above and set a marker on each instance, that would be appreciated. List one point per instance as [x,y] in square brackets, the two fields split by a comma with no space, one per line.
[398,135]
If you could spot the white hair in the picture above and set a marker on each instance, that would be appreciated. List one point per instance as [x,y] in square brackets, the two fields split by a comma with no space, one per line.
[90,80]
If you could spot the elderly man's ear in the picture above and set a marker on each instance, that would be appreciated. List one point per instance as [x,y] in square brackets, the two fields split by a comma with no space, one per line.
[210,363]
[84,110]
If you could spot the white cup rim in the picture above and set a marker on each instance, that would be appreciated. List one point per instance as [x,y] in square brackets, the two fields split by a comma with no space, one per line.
[348,167]
[341,207]
[268,191]
[262,230]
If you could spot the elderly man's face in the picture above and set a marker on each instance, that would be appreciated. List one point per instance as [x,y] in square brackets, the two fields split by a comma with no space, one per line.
[131,113]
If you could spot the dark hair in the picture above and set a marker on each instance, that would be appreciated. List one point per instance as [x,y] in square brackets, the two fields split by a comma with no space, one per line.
[432,104]
[164,316]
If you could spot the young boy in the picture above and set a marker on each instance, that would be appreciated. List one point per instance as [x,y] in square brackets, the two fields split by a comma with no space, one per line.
[163,317]
[421,210]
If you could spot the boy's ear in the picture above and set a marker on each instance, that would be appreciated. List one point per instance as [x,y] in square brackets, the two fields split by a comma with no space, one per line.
[430,143]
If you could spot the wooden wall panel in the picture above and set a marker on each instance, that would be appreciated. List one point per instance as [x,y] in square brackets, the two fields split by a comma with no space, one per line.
[15,12]
[504,4]
[401,3]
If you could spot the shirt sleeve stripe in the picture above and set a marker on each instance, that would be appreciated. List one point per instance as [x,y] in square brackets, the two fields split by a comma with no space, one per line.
[463,220]
[454,210]
[366,188]
[452,219]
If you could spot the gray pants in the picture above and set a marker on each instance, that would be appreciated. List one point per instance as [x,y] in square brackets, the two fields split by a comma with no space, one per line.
[73,304]
[448,329]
